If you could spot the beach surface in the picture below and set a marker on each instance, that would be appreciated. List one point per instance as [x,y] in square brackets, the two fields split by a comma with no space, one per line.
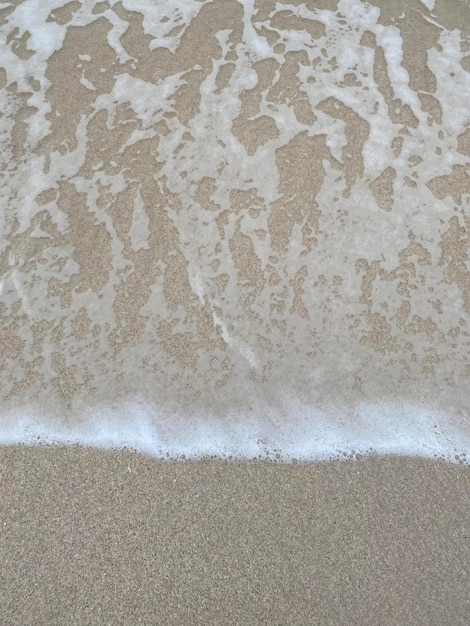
[113,538]
[235,296]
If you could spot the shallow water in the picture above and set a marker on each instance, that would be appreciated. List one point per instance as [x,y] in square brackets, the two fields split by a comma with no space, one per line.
[236,228]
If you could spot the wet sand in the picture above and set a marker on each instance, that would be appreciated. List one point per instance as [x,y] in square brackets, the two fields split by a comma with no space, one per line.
[112,538]
[236,228]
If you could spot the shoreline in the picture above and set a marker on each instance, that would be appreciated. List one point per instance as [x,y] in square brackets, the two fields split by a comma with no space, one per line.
[289,432]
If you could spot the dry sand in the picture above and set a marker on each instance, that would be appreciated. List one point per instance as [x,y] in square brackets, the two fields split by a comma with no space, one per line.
[93,537]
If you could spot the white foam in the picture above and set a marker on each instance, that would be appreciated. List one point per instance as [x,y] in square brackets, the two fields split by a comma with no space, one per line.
[429,4]
[139,231]
[293,432]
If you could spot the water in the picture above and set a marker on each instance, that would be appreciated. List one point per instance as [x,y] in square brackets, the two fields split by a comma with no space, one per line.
[236,229]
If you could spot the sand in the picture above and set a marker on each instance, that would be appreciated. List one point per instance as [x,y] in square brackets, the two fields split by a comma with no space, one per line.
[93,537]
[237,229]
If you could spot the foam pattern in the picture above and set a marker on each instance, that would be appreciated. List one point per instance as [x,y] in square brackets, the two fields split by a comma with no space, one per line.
[236,228]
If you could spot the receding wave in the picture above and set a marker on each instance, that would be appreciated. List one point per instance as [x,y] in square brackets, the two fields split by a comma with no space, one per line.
[237,229]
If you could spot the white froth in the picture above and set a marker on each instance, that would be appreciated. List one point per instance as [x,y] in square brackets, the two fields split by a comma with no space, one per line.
[293,432]
[429,4]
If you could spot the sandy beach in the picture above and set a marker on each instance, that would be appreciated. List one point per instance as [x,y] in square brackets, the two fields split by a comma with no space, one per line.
[233,233]
[105,538]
